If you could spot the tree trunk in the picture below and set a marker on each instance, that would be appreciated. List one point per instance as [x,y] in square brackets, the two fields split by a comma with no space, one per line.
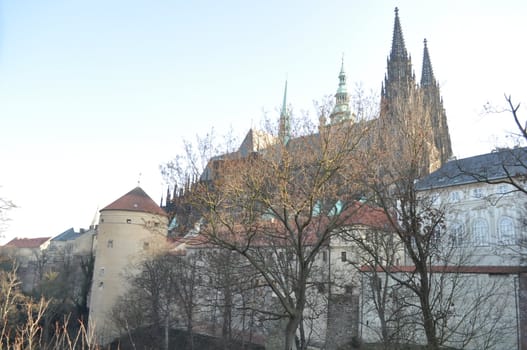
[428,317]
[290,331]
[166,332]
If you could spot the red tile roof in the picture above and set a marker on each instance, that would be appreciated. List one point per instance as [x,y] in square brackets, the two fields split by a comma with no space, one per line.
[27,242]
[273,233]
[483,269]
[136,200]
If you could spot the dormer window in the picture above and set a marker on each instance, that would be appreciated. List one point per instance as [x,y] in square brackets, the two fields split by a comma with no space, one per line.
[477,193]
[455,196]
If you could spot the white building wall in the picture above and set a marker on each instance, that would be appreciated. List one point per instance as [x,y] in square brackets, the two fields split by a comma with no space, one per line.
[480,313]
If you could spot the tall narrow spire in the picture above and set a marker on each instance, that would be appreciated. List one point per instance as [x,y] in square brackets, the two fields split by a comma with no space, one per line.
[434,103]
[398,47]
[427,74]
[342,109]
[399,80]
[284,130]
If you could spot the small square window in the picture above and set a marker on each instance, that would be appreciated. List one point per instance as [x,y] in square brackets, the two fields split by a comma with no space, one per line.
[128,221]
[146,245]
[110,243]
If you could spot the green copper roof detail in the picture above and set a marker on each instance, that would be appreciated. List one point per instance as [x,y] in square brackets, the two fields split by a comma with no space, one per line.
[341,110]
[342,79]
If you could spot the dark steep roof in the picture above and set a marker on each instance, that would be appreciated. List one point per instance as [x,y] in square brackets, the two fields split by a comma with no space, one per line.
[67,235]
[136,200]
[486,167]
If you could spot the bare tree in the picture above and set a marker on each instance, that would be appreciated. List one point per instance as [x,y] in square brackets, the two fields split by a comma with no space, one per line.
[5,206]
[230,294]
[150,301]
[512,163]
[375,248]
[186,285]
[433,271]
[285,200]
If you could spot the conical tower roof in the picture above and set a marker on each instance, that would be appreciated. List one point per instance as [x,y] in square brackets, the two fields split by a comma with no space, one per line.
[136,200]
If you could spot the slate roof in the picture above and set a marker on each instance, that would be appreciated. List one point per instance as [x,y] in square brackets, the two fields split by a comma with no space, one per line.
[486,167]
[67,235]
[136,200]
[27,242]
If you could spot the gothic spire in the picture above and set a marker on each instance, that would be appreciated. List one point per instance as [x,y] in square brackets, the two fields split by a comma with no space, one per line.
[341,110]
[398,48]
[284,127]
[399,80]
[427,74]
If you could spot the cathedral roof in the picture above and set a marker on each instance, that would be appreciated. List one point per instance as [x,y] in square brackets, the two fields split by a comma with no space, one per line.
[136,200]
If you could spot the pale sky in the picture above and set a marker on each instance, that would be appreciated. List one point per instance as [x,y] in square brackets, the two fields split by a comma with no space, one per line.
[93,93]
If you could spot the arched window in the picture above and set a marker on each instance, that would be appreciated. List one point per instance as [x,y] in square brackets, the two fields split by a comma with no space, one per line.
[457,234]
[480,230]
[506,230]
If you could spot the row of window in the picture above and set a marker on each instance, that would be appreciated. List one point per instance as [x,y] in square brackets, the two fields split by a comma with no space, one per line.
[149,223]
[480,233]
[343,256]
[109,244]
[503,189]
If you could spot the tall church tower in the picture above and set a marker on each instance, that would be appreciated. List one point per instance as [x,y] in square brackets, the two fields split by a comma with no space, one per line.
[434,102]
[405,105]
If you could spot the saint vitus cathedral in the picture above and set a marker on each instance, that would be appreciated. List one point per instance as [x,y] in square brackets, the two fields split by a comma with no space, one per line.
[400,89]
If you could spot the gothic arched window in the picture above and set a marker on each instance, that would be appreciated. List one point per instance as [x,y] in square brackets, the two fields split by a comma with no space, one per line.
[480,229]
[506,230]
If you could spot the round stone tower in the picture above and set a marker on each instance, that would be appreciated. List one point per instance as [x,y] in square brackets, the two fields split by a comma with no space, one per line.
[131,229]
